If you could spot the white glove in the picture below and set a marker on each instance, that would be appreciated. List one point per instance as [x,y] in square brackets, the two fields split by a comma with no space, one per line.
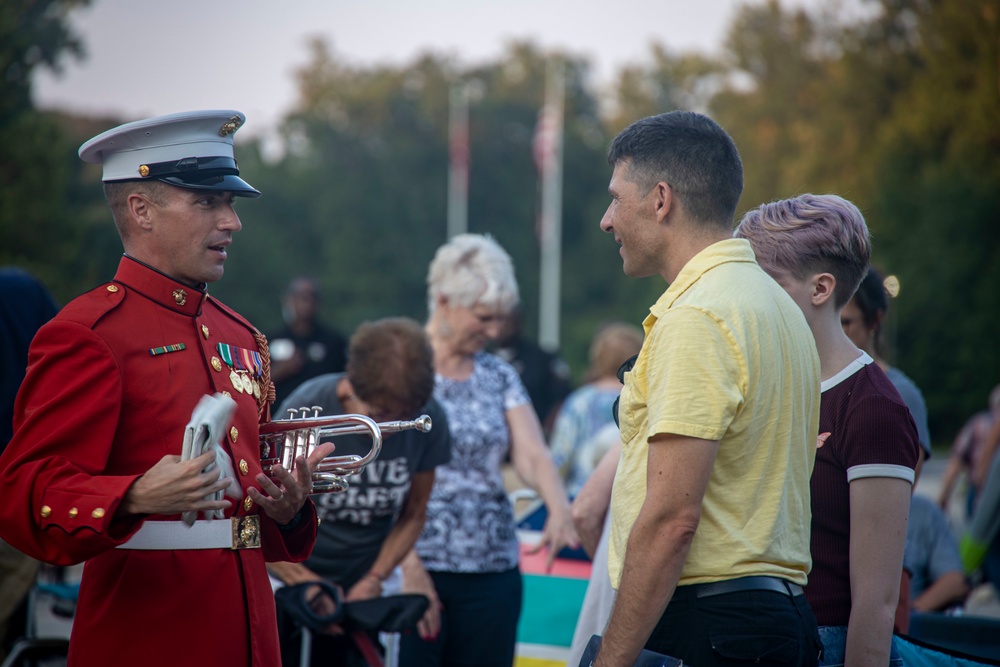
[209,423]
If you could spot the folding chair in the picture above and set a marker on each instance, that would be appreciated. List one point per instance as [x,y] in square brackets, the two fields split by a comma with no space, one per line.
[50,588]
[391,614]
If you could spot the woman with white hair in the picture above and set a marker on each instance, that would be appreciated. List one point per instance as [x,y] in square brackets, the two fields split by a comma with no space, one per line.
[469,547]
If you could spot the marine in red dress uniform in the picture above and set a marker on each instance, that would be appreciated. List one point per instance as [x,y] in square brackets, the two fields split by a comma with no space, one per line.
[110,388]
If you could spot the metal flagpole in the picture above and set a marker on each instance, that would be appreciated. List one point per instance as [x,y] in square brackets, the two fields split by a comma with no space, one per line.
[549,146]
[458,160]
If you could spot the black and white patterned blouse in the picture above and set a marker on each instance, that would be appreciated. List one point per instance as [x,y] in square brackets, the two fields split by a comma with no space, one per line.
[470,523]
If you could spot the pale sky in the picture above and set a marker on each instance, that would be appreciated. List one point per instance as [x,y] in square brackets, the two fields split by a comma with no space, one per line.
[151,58]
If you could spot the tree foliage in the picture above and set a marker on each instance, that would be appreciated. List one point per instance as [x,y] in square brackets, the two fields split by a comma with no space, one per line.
[359,199]
[936,191]
[39,173]
[898,113]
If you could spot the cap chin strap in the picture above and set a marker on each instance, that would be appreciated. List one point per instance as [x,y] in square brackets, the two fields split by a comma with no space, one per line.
[216,165]
[225,183]
[200,173]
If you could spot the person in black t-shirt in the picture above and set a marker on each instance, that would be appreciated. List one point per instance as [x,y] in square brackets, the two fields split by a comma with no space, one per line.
[306,347]
[545,375]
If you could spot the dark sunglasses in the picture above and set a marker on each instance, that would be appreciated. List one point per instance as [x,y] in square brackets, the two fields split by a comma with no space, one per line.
[622,370]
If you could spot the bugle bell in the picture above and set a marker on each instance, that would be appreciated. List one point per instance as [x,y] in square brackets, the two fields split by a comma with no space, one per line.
[282,441]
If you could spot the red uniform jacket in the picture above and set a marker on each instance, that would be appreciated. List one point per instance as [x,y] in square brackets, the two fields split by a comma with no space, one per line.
[96,410]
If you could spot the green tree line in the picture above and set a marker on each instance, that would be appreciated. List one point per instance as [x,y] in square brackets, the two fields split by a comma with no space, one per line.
[896,111]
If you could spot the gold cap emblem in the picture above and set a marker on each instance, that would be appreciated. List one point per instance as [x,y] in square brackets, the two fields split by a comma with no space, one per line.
[143,171]
[180,297]
[230,126]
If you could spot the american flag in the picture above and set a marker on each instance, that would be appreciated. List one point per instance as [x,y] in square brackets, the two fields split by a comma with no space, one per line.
[548,134]
[458,148]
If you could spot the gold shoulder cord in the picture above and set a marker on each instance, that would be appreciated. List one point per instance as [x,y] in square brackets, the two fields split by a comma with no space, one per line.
[267,394]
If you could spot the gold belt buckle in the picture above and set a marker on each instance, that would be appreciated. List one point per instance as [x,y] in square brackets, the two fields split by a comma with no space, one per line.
[246,532]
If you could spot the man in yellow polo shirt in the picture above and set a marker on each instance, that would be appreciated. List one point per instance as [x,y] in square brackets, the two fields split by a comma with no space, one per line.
[719,416]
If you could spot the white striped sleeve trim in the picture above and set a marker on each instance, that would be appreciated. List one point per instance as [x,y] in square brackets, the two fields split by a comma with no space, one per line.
[880,470]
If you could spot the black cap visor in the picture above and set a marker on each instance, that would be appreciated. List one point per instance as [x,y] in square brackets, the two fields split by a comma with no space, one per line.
[202,173]
[222,183]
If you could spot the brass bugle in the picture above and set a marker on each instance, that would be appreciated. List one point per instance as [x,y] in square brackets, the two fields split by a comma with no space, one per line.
[282,441]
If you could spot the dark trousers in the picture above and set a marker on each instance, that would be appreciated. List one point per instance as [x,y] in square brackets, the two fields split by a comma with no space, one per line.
[757,628]
[478,624]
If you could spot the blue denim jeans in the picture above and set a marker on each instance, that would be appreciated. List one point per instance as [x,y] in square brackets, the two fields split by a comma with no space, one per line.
[834,639]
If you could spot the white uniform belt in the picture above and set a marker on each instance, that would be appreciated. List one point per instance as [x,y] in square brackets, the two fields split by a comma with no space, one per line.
[238,532]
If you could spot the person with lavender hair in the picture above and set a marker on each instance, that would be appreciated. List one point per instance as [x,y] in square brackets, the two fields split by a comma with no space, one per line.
[817,248]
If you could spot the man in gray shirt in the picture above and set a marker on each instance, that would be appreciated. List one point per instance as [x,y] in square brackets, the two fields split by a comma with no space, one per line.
[932,558]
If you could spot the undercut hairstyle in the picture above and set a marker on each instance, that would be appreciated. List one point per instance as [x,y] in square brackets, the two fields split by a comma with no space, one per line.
[689,152]
[613,343]
[871,298]
[116,193]
[472,270]
[390,364]
[810,234]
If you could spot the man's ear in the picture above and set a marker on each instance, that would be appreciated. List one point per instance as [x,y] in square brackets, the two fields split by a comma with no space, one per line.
[823,286]
[140,210]
[663,200]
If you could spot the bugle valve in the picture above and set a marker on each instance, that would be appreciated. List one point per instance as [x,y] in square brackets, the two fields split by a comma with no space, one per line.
[282,441]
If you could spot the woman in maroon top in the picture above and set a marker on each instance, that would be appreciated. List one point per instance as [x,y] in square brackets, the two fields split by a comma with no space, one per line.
[817,248]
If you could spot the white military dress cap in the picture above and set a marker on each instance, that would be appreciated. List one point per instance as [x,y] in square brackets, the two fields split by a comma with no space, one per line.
[193,149]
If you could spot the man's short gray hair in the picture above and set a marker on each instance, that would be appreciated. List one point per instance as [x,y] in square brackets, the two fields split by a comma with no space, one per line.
[117,193]
[692,154]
